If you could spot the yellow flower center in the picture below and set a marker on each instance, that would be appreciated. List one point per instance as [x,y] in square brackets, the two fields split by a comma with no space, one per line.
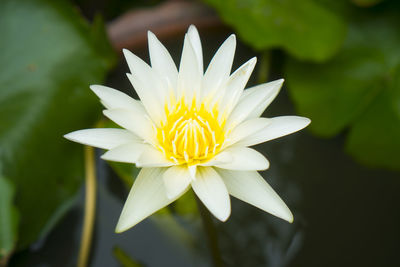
[190,135]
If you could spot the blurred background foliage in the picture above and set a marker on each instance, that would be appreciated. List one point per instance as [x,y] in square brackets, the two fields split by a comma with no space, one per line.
[340,58]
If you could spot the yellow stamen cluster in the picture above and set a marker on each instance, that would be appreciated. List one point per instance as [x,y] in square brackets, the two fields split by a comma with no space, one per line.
[190,135]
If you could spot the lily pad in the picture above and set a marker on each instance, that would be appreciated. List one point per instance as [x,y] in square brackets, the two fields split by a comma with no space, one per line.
[49,55]
[306,29]
[8,220]
[358,89]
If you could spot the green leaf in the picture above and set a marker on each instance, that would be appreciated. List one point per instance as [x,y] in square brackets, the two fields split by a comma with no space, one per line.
[126,172]
[375,138]
[306,29]
[357,89]
[124,259]
[8,220]
[50,56]
[366,3]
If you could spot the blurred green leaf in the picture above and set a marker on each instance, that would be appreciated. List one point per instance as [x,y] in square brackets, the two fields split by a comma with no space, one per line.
[49,55]
[126,172]
[366,3]
[8,220]
[124,259]
[359,88]
[186,205]
[375,138]
[306,29]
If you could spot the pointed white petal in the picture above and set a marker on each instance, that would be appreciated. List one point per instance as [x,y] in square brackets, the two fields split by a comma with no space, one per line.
[150,89]
[245,159]
[114,99]
[278,127]
[176,180]
[220,158]
[152,157]
[148,194]
[128,153]
[250,186]
[235,85]
[106,138]
[211,190]
[253,102]
[138,123]
[219,69]
[192,171]
[152,103]
[161,60]
[189,77]
[194,38]
[246,129]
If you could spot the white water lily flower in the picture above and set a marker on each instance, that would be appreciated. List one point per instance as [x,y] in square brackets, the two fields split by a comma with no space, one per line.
[191,129]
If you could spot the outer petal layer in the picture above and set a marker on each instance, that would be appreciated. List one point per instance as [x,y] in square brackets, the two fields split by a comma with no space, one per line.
[137,123]
[246,129]
[176,180]
[190,74]
[114,99]
[253,102]
[107,138]
[148,85]
[244,159]
[128,153]
[236,84]
[219,69]
[278,127]
[152,157]
[250,186]
[211,190]
[148,194]
[161,61]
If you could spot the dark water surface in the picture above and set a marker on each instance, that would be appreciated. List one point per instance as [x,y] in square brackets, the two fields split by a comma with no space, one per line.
[345,214]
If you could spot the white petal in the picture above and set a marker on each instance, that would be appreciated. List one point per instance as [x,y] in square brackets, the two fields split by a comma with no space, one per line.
[192,171]
[128,153]
[148,194]
[189,77]
[152,157]
[194,38]
[278,127]
[176,180]
[235,85]
[220,158]
[253,102]
[150,89]
[114,99]
[250,186]
[246,129]
[245,159]
[211,190]
[107,138]
[161,60]
[219,69]
[138,123]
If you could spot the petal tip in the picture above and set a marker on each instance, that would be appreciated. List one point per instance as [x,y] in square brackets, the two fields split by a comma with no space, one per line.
[289,218]
[224,217]
[192,28]
[125,51]
[120,228]
[69,136]
[94,87]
